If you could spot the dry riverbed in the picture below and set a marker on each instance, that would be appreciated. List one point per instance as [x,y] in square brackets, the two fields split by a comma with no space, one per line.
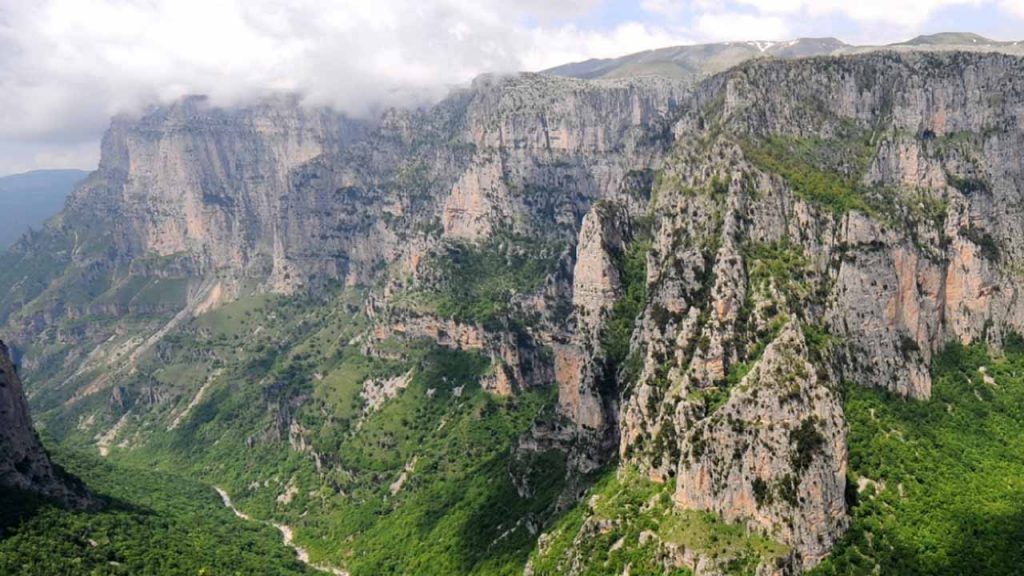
[287,535]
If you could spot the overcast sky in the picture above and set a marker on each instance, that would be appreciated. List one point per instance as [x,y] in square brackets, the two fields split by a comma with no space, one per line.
[66,66]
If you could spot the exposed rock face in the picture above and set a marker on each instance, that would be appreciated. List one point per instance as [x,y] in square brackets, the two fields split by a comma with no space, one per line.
[280,197]
[376,392]
[514,365]
[813,222]
[895,295]
[292,195]
[932,281]
[24,464]
[470,208]
[898,248]
[212,184]
[596,283]
[774,455]
[581,371]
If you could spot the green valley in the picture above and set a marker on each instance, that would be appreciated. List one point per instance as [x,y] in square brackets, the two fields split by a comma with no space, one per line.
[729,310]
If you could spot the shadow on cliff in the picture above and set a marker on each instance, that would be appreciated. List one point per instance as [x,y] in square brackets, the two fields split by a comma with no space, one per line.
[502,527]
[18,507]
[978,543]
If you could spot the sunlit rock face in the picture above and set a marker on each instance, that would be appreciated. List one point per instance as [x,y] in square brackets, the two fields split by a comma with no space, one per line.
[812,223]
[819,222]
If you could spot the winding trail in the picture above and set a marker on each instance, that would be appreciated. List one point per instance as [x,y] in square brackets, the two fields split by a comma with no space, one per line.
[287,535]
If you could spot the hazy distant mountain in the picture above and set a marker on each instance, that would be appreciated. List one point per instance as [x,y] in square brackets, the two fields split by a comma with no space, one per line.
[950,39]
[697,61]
[692,62]
[27,200]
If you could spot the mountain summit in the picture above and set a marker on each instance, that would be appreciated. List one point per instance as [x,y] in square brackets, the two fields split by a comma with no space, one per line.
[698,61]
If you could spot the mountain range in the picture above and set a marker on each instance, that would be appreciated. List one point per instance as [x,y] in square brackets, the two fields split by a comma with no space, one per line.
[28,199]
[742,308]
[694,62]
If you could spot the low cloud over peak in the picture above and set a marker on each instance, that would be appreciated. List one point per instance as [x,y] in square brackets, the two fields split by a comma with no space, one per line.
[66,66]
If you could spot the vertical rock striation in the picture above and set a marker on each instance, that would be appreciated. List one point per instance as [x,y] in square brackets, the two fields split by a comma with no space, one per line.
[581,365]
[814,222]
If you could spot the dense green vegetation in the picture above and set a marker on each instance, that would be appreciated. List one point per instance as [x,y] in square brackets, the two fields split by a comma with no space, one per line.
[830,173]
[626,505]
[942,481]
[282,426]
[26,273]
[150,524]
[477,282]
[457,511]
[632,266]
[779,268]
[822,172]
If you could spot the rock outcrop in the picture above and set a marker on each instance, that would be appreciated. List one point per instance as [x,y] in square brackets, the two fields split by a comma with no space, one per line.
[855,197]
[813,222]
[774,455]
[297,196]
[24,463]
[585,381]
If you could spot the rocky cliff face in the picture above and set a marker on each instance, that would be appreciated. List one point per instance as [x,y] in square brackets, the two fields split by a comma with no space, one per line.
[585,380]
[202,205]
[813,223]
[24,464]
[935,245]
[210,184]
[855,197]
[295,196]
[774,455]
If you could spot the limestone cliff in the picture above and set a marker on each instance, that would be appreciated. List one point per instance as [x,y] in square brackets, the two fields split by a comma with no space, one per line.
[585,380]
[294,195]
[857,196]
[24,464]
[813,223]
[774,455]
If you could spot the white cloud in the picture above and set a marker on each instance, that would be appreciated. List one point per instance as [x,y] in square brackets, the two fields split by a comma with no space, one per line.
[894,13]
[66,66]
[722,26]
[905,13]
[118,54]
[551,47]
[669,8]
[1013,7]
[716,21]
[17,157]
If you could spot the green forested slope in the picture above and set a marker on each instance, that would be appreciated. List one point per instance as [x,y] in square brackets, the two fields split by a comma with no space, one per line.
[281,380]
[150,523]
[942,481]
